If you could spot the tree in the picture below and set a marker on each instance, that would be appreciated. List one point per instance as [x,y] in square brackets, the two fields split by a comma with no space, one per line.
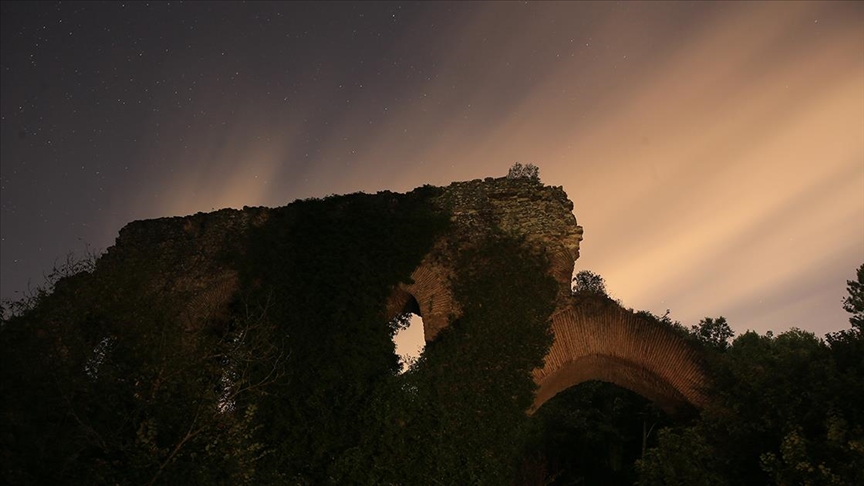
[590,282]
[527,171]
[683,456]
[591,434]
[854,303]
[714,333]
[781,413]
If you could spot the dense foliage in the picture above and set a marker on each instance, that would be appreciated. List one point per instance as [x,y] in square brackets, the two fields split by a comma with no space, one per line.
[788,409]
[102,382]
[458,415]
[321,271]
[591,433]
[785,413]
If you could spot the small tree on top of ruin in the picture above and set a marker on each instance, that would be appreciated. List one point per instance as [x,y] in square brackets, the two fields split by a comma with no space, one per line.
[527,171]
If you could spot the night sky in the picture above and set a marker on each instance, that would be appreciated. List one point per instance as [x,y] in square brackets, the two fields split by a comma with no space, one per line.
[714,151]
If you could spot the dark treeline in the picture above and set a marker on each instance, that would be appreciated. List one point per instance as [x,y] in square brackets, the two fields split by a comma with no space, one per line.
[299,384]
[786,409]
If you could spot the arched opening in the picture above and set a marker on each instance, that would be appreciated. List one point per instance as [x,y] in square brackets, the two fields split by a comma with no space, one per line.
[409,341]
[596,339]
[615,371]
[409,336]
[593,433]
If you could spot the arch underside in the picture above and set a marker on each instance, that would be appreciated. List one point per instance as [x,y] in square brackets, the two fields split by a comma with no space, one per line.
[595,339]
[428,295]
[616,371]
[602,341]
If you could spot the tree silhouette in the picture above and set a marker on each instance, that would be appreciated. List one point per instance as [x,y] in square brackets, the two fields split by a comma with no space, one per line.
[590,282]
[854,303]
[527,171]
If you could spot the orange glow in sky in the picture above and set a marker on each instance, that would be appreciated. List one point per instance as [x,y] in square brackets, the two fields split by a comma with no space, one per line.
[714,151]
[717,168]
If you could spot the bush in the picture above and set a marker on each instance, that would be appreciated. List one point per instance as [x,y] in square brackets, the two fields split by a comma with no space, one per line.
[527,171]
[590,282]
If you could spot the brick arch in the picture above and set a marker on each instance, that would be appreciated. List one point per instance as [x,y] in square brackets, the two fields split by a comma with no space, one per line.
[595,339]
[606,343]
[428,295]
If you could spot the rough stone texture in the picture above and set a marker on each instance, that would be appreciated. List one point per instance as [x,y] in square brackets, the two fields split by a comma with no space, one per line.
[518,207]
[184,256]
[591,343]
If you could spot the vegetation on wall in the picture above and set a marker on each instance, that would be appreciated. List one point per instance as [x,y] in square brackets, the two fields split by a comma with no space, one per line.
[102,381]
[102,385]
[321,271]
[457,416]
[785,409]
[299,384]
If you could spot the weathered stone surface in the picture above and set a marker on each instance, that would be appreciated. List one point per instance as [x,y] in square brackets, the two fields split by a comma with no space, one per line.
[591,343]
[185,257]
[518,207]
